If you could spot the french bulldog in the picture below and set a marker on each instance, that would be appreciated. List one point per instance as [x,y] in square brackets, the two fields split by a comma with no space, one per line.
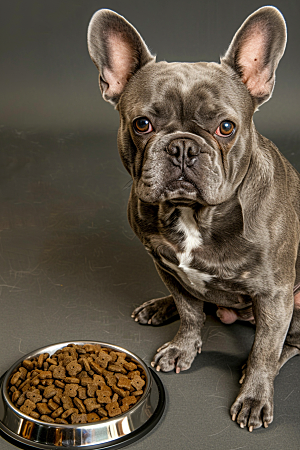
[215,203]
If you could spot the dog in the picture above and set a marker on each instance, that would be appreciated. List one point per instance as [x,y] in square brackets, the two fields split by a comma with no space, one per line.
[215,203]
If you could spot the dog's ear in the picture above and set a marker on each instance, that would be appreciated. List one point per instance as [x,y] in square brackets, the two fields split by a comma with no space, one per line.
[117,50]
[256,50]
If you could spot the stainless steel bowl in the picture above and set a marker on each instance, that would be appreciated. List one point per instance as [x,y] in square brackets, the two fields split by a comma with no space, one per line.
[111,433]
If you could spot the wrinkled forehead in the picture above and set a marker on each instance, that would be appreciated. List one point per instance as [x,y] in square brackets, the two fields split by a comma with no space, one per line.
[185,89]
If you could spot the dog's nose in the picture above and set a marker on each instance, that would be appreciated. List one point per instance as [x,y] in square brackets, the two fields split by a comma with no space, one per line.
[183,152]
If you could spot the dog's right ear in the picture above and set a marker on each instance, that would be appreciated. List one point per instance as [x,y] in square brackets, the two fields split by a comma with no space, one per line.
[117,50]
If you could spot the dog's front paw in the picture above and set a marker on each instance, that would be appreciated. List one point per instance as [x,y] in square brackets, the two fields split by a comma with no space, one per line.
[155,312]
[253,406]
[174,356]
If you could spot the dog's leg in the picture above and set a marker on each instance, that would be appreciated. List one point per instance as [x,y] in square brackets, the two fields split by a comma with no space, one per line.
[181,351]
[156,311]
[254,404]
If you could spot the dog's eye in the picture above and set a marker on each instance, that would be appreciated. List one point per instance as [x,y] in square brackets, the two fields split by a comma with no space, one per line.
[225,129]
[142,125]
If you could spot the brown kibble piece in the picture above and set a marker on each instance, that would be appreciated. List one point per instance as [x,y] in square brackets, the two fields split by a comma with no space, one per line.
[130,400]
[71,390]
[67,402]
[21,399]
[103,359]
[138,383]
[49,392]
[40,361]
[68,412]
[102,412]
[59,420]
[86,364]
[96,367]
[15,396]
[73,368]
[136,393]
[46,418]
[59,384]
[91,404]
[59,372]
[110,378]
[58,412]
[135,373]
[45,374]
[79,404]
[117,368]
[28,364]
[115,398]
[92,417]
[130,366]
[23,373]
[91,389]
[34,396]
[43,408]
[113,409]
[103,397]
[52,405]
[78,418]
[82,393]
[72,380]
[124,382]
[86,380]
[27,407]
[15,377]
[34,414]
[119,391]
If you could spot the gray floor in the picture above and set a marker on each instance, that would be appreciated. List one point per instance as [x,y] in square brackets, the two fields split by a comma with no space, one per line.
[72,269]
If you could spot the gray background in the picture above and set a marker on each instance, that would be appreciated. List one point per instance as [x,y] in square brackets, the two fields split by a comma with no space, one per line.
[70,267]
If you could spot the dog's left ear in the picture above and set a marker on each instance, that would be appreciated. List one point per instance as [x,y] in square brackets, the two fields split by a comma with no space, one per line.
[117,50]
[256,50]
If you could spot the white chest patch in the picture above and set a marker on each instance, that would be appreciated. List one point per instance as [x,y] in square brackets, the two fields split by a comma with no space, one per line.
[192,240]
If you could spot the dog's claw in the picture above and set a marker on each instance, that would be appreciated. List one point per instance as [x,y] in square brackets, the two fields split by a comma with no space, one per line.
[242,425]
[242,379]
[233,417]
[251,428]
[158,368]
[177,369]
[199,350]
[266,424]
[152,363]
[149,322]
[136,319]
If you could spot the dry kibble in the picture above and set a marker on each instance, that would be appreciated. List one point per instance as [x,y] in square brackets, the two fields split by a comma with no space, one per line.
[43,408]
[59,420]
[77,384]
[71,390]
[68,412]
[52,405]
[91,404]
[79,404]
[113,409]
[58,412]
[46,418]
[34,396]
[49,392]
[78,418]
[92,417]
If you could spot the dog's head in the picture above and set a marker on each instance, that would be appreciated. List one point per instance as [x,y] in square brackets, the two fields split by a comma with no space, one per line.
[186,131]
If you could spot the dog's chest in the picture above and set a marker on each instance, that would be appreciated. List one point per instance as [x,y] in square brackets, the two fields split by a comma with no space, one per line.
[191,241]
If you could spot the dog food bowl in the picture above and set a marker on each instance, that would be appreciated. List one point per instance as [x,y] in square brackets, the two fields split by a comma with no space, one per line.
[26,432]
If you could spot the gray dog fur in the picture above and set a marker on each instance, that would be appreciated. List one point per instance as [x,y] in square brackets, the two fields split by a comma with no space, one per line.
[217,211]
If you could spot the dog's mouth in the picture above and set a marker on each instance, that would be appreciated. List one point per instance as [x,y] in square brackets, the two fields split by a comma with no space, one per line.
[182,191]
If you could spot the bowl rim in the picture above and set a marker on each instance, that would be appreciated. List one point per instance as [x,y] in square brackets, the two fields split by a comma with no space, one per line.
[61,345]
